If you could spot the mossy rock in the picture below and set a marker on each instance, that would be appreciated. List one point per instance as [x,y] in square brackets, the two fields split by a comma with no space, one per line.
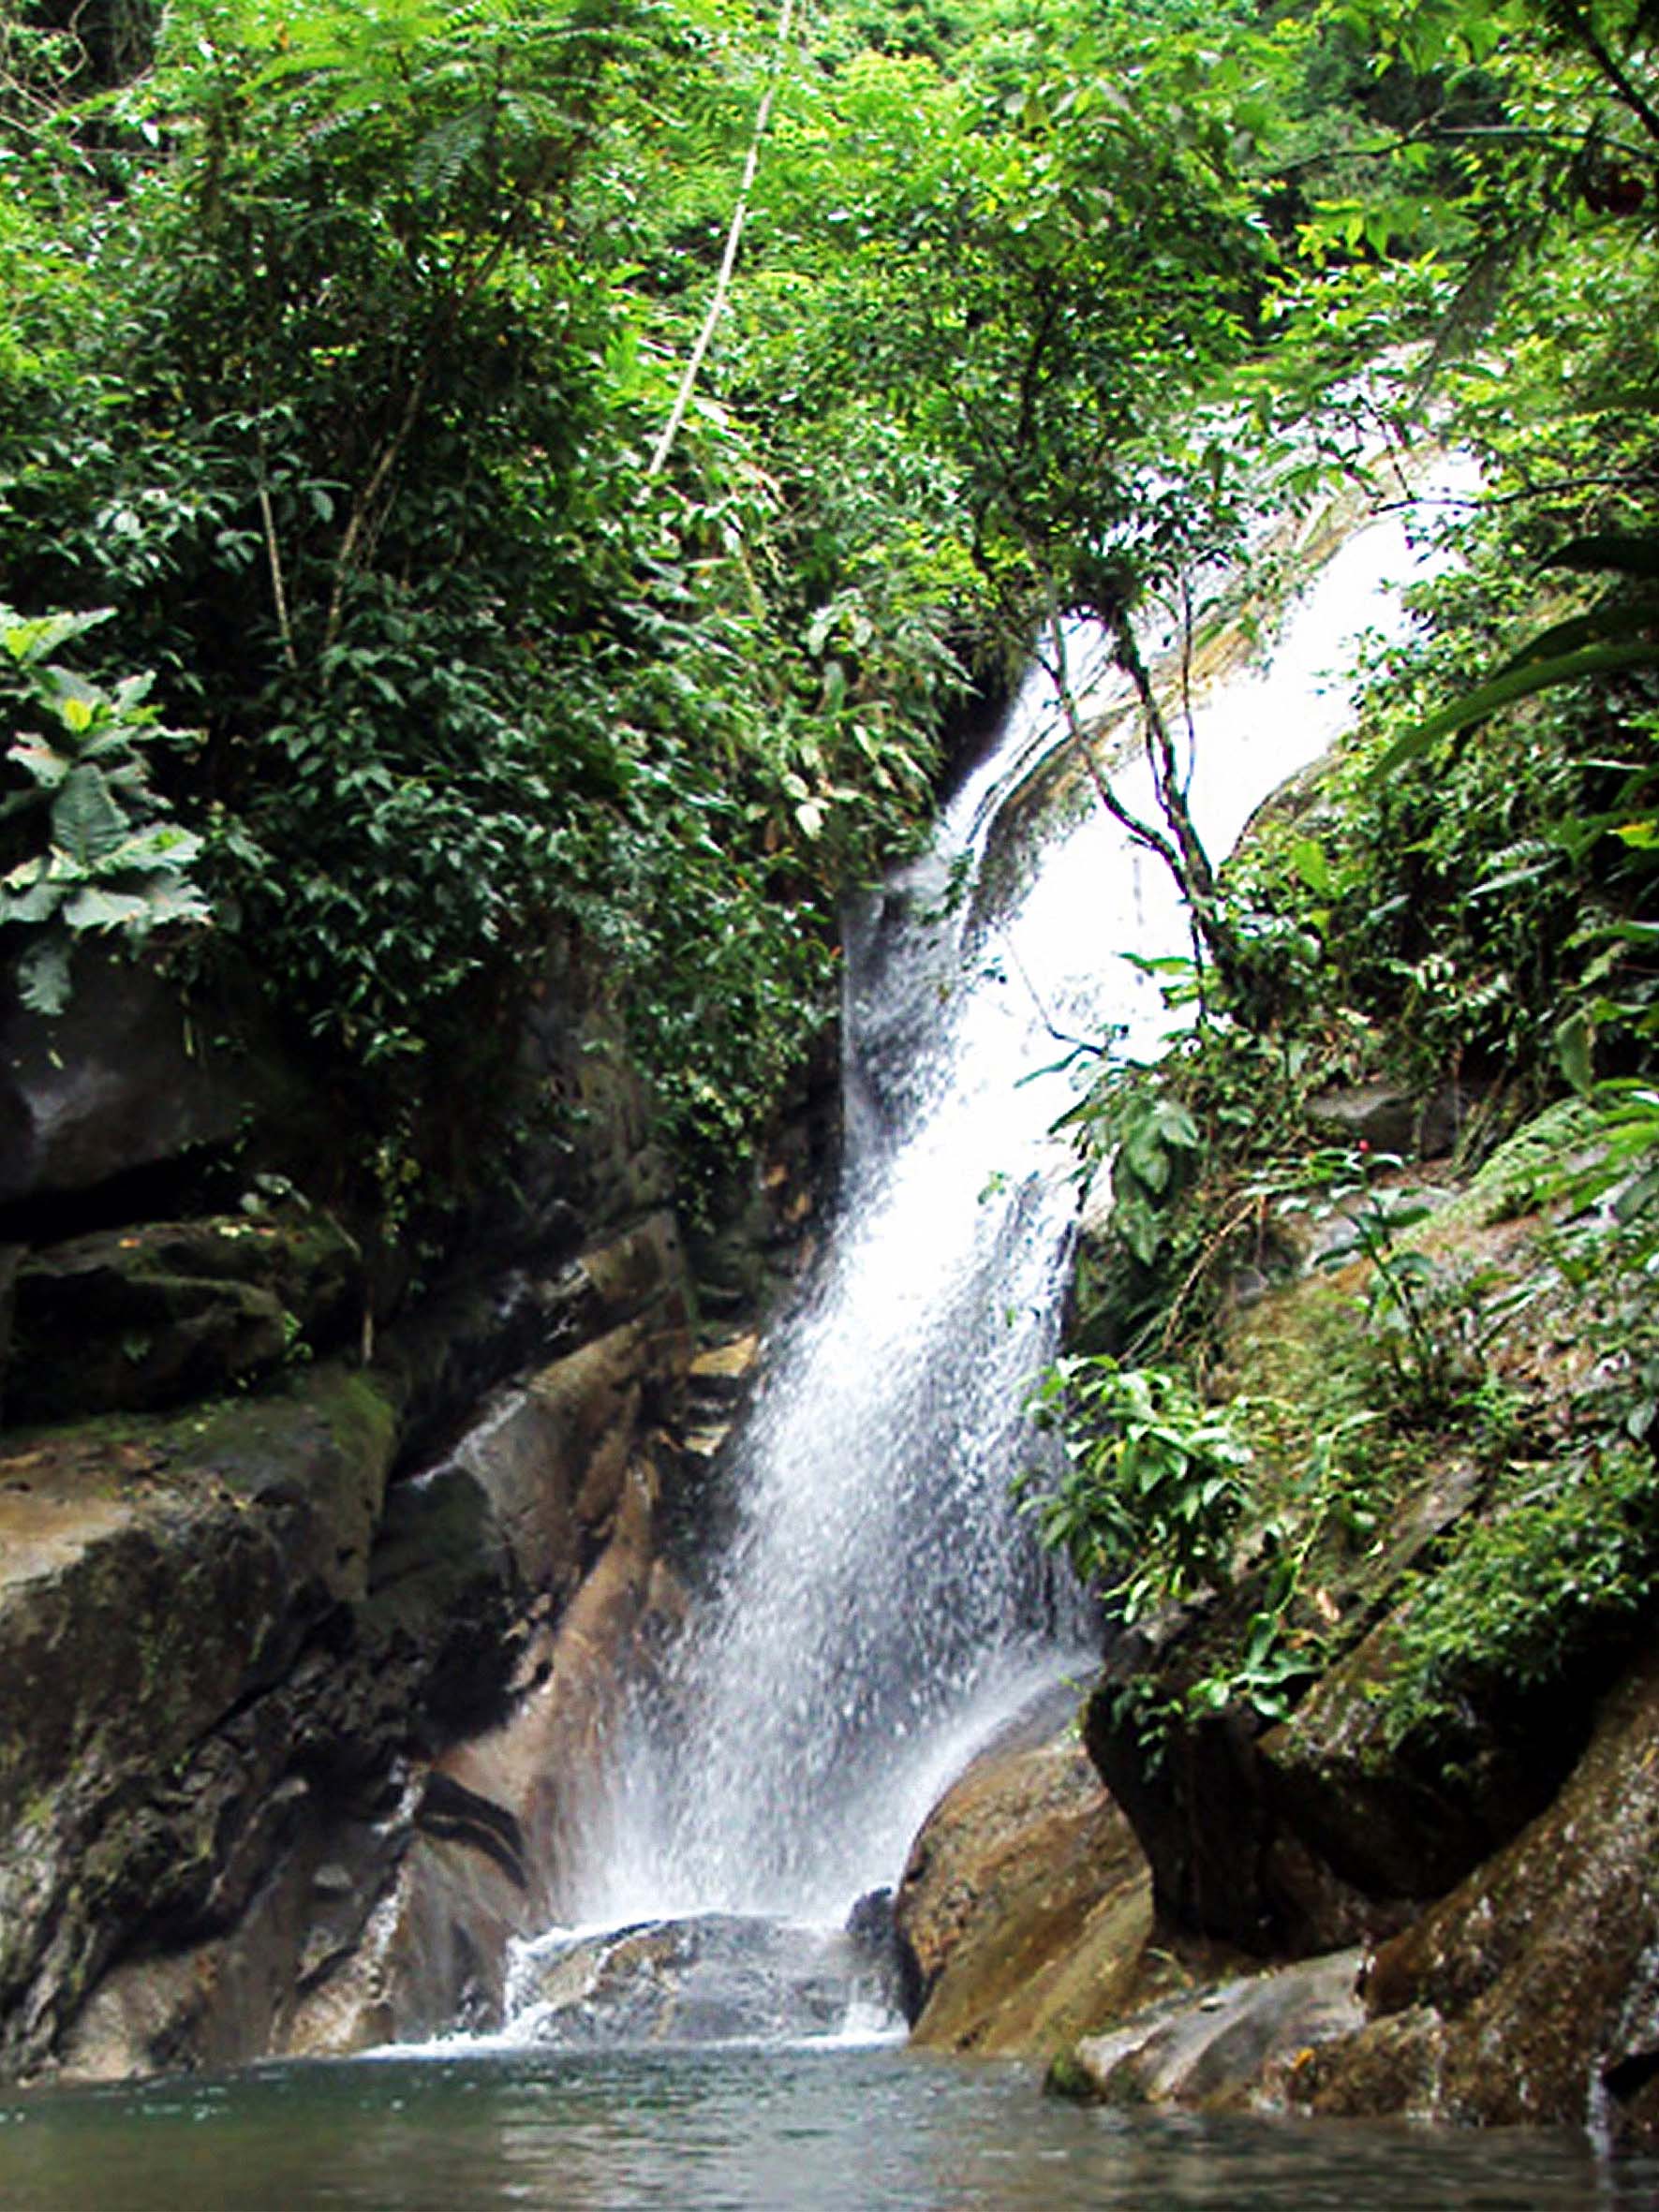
[1528,1996]
[143,1317]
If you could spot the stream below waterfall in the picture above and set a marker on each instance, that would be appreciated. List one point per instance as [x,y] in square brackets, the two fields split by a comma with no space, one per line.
[878,1615]
[737,2130]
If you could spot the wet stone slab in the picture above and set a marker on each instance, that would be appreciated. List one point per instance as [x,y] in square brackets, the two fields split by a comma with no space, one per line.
[714,1978]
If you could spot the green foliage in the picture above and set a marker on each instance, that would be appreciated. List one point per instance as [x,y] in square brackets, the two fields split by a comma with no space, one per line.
[1429,1328]
[348,439]
[1569,1553]
[339,340]
[1236,1098]
[1617,634]
[107,858]
[1151,1139]
[1152,1486]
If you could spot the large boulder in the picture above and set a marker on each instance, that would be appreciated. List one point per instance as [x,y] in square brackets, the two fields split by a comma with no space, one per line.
[1296,1837]
[719,1977]
[1024,1912]
[158,1585]
[1531,1993]
[241,1668]
[141,1317]
[1232,2047]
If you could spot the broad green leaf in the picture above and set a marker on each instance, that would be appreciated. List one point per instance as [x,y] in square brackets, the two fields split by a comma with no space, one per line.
[29,643]
[158,845]
[175,900]
[87,823]
[39,902]
[1561,638]
[43,976]
[1307,857]
[1572,1052]
[95,907]
[1506,690]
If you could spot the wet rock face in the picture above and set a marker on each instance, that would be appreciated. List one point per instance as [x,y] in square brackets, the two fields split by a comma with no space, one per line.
[1528,1995]
[717,1977]
[115,1084]
[1531,1993]
[239,1673]
[288,1550]
[1025,1911]
[1390,1117]
[160,1588]
[1319,1832]
[136,1318]
[1232,2048]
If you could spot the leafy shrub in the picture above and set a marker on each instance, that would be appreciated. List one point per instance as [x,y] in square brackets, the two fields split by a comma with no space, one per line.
[1568,1554]
[113,861]
[1152,1486]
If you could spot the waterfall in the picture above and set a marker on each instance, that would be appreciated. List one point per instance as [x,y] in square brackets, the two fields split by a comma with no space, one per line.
[881,1606]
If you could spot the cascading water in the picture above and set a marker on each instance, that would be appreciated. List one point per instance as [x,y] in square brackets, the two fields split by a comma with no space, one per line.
[882,1608]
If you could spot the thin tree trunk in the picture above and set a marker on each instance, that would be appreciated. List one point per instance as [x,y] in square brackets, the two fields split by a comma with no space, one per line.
[716,306]
[1177,845]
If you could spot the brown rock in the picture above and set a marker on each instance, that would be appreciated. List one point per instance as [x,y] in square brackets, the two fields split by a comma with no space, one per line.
[1531,1993]
[1025,1910]
[1229,2049]
[154,1588]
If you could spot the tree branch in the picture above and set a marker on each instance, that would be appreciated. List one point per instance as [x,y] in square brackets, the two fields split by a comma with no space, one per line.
[1058,670]
[1195,874]
[716,306]
[1580,26]
[274,560]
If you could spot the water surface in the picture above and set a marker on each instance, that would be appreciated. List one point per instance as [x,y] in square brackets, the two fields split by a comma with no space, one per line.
[825,2129]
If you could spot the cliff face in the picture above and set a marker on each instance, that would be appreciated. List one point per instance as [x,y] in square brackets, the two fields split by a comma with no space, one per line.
[315,1595]
[1398,1859]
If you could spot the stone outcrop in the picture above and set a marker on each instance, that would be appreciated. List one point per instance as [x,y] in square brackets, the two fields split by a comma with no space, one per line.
[1299,1837]
[1391,1117]
[135,1319]
[242,1677]
[1337,1825]
[1024,1914]
[1445,1901]
[162,1587]
[1531,1992]
[314,1597]
[1234,2047]
[714,1978]
[1528,1995]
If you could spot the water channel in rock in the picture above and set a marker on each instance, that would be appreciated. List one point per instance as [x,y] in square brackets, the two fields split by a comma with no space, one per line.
[882,1608]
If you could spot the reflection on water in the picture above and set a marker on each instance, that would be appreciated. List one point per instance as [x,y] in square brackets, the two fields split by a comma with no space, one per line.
[734,2131]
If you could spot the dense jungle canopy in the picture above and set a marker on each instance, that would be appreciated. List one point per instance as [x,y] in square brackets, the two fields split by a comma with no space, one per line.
[374,612]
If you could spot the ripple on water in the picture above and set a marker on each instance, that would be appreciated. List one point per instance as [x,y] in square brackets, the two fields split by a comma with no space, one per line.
[736,2130]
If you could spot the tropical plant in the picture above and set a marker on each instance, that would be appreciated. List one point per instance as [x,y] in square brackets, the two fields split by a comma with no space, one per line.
[107,858]
[1152,1486]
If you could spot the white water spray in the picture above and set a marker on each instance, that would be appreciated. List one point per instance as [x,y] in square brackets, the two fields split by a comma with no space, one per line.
[881,1609]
